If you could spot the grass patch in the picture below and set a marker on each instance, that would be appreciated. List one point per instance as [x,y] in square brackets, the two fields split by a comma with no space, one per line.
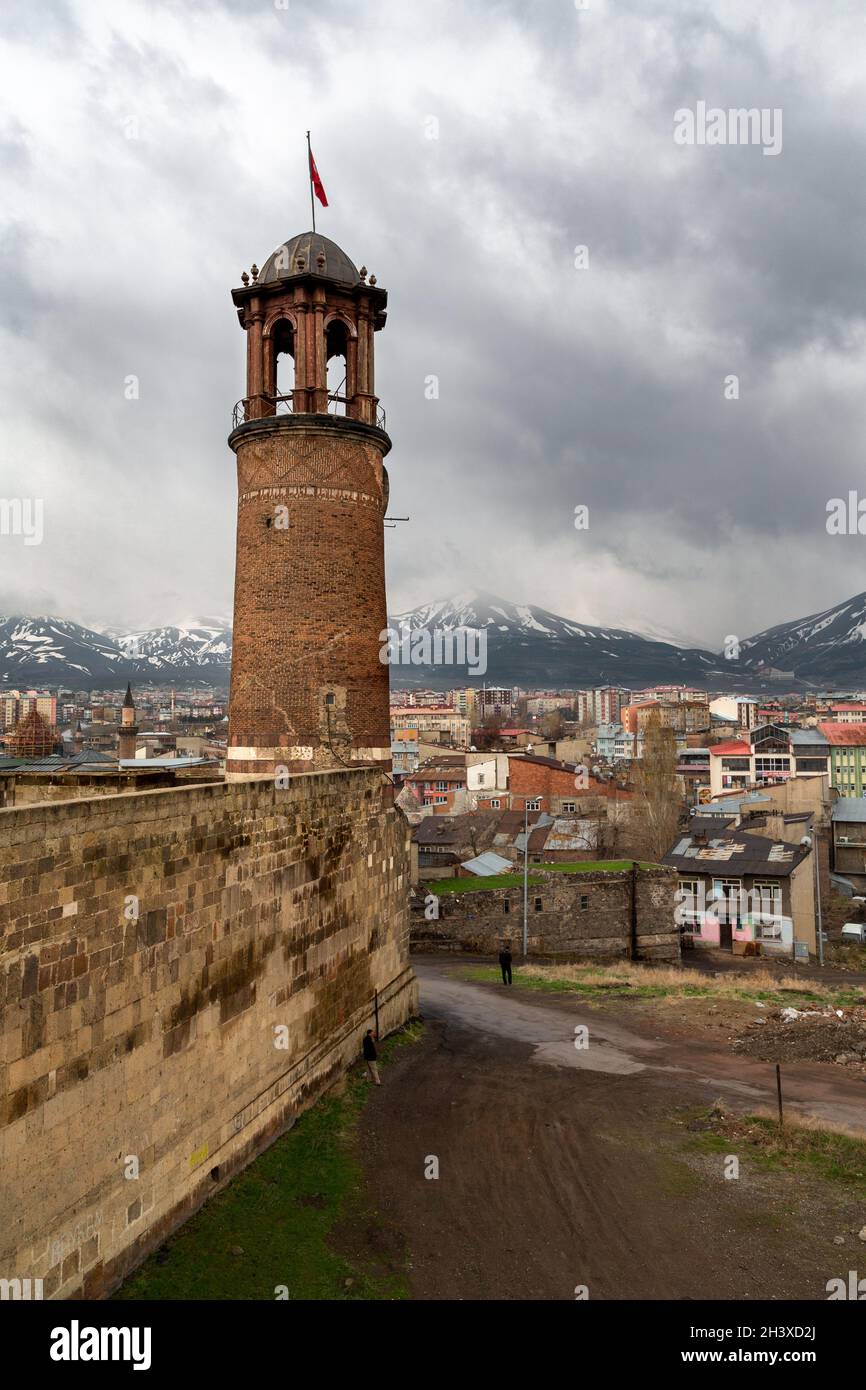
[515,880]
[274,1224]
[631,980]
[477,885]
[845,955]
[589,866]
[800,1144]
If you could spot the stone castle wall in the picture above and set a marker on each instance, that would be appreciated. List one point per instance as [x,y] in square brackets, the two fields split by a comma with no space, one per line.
[570,916]
[157,950]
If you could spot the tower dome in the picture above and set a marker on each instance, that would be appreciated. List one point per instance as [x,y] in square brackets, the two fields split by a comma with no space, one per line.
[309,254]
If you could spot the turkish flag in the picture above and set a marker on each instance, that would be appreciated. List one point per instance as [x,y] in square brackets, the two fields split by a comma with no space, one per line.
[318,187]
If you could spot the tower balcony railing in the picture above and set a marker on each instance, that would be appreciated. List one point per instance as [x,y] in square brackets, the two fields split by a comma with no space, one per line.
[262,406]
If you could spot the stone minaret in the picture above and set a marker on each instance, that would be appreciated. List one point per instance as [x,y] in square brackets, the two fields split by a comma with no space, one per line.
[128,727]
[308,688]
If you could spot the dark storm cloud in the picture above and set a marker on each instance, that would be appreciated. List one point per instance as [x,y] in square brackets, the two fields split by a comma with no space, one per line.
[173,156]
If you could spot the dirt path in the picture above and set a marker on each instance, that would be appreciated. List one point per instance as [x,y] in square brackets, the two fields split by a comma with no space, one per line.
[560,1167]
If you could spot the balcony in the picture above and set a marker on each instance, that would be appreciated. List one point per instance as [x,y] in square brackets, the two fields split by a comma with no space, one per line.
[263,407]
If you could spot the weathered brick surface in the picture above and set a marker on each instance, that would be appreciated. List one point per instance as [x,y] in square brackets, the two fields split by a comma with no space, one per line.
[309,596]
[153,1035]
[563,927]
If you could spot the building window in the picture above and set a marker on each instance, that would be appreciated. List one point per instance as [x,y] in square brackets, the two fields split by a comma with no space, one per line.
[767,910]
[537,904]
[494,803]
[728,893]
[690,890]
[506,906]
[584,902]
[569,806]
[533,805]
[441,786]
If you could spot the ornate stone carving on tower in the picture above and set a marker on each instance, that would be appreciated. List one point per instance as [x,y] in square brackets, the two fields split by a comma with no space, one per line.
[308,689]
[126,742]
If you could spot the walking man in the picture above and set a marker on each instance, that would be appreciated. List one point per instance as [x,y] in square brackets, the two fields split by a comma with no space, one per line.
[370,1055]
[505,964]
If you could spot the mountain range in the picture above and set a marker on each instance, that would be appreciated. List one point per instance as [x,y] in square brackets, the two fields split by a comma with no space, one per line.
[525,645]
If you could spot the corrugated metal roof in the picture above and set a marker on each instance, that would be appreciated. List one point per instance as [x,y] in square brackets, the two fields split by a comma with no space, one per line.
[850,808]
[807,736]
[487,864]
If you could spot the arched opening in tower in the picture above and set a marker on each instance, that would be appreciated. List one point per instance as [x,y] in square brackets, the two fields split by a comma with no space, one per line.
[284,363]
[337,356]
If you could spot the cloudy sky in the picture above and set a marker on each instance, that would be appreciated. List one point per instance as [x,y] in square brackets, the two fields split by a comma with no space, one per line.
[153,149]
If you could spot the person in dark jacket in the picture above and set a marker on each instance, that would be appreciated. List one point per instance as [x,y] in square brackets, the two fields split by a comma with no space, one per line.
[505,964]
[370,1055]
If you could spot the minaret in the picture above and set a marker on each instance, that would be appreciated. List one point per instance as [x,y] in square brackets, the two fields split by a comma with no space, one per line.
[128,727]
[308,688]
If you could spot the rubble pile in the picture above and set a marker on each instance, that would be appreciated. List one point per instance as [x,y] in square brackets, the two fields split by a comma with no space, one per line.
[819,1034]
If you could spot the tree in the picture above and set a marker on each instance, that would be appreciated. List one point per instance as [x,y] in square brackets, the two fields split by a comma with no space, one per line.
[552,725]
[658,804]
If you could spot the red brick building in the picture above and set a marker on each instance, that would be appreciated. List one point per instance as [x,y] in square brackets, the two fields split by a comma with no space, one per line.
[438,786]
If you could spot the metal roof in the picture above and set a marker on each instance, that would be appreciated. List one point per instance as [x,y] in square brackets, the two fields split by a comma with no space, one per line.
[282,264]
[850,808]
[487,864]
[736,852]
[130,764]
[808,736]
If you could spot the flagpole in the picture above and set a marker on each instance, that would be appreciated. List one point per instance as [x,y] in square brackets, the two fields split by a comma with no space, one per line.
[310,172]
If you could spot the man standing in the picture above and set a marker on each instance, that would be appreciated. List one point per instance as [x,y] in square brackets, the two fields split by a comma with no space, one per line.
[370,1055]
[505,964]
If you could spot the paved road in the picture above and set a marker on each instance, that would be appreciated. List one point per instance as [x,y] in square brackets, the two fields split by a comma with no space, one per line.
[549,1023]
[562,1167]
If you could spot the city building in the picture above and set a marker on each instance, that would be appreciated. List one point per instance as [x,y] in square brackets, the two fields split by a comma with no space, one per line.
[741,710]
[443,721]
[847,750]
[764,756]
[737,888]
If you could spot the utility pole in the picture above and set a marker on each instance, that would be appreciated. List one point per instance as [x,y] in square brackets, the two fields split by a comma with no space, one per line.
[525,876]
[818,895]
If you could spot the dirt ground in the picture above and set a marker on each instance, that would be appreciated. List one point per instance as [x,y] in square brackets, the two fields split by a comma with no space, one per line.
[562,1167]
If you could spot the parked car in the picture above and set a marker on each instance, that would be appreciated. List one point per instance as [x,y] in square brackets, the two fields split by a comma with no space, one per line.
[854,931]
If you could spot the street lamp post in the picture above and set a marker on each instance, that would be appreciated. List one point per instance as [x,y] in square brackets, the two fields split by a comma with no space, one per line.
[525,876]
[818,895]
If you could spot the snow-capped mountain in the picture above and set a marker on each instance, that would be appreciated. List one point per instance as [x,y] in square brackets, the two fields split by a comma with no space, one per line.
[529,645]
[48,651]
[178,647]
[42,650]
[525,645]
[828,646]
